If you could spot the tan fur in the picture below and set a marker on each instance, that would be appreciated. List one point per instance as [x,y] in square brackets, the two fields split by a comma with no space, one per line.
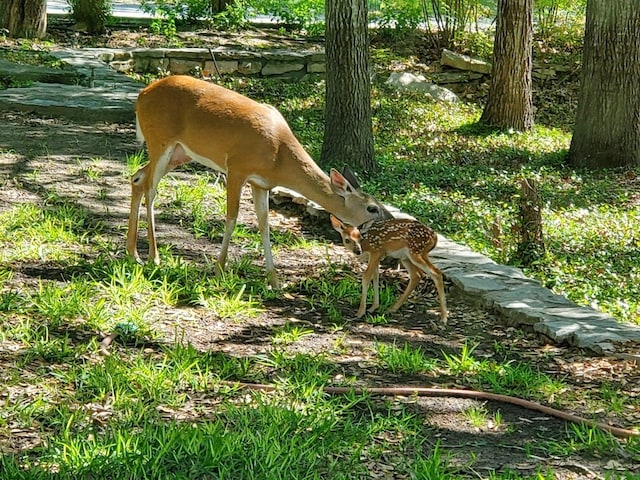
[406,240]
[183,119]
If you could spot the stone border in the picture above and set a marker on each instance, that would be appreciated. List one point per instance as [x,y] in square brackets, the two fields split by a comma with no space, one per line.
[209,62]
[520,301]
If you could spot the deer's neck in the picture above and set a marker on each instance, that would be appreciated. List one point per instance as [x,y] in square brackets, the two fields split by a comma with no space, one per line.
[304,176]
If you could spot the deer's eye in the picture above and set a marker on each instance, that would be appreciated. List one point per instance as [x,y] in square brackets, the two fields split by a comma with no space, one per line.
[373,209]
[347,241]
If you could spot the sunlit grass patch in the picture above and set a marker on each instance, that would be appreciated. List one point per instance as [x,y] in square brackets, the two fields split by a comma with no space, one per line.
[42,232]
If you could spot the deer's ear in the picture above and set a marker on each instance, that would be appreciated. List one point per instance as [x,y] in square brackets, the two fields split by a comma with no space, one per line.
[336,224]
[351,177]
[339,184]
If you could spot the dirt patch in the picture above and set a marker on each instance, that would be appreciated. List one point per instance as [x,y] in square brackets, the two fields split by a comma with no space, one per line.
[45,158]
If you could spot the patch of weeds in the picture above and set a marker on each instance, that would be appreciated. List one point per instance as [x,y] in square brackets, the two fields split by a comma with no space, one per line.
[289,333]
[546,474]
[476,416]
[404,360]
[464,363]
[519,379]
[224,295]
[134,162]
[300,370]
[584,438]
[56,232]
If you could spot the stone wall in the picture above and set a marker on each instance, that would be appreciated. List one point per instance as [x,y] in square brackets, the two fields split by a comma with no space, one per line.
[264,63]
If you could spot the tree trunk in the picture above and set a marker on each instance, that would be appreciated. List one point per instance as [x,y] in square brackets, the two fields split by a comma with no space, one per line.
[530,241]
[218,6]
[348,133]
[607,129]
[510,103]
[24,18]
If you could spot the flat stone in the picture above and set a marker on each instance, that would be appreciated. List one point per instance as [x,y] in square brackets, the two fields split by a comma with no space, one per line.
[591,332]
[99,104]
[464,62]
[37,73]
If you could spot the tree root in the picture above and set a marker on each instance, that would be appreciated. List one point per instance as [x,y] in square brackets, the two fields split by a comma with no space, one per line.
[458,393]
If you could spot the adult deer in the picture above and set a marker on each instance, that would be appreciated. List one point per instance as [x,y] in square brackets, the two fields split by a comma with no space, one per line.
[406,240]
[183,119]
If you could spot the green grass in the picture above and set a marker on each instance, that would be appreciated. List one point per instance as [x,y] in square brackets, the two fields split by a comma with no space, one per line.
[161,404]
[438,164]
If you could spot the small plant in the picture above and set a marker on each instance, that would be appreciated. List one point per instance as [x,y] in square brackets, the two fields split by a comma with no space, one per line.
[289,333]
[234,17]
[404,360]
[476,416]
[463,363]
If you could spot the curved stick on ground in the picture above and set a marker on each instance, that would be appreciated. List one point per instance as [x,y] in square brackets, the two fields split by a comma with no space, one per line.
[459,393]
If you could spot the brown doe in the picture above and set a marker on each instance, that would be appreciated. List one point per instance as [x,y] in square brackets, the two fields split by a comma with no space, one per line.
[183,119]
[406,240]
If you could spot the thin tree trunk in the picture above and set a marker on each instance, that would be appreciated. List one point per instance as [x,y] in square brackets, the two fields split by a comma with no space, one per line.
[24,18]
[218,6]
[348,134]
[607,129]
[509,103]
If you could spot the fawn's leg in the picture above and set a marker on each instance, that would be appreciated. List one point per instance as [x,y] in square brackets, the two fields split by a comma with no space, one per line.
[376,289]
[415,274]
[430,269]
[370,273]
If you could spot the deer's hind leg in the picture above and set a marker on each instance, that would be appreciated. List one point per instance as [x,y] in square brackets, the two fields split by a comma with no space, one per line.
[415,275]
[430,269]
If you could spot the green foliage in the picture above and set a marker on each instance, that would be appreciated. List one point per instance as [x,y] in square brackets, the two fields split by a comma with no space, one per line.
[550,14]
[295,14]
[446,20]
[404,360]
[400,15]
[234,17]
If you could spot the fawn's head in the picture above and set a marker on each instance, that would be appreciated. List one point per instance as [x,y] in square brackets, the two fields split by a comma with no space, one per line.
[351,236]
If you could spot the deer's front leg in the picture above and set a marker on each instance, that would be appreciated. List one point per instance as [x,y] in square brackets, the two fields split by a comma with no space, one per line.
[366,280]
[134,216]
[376,289]
[261,204]
[234,190]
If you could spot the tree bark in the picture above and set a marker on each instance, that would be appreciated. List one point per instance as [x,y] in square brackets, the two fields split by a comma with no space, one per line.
[530,241]
[348,133]
[607,129]
[24,18]
[218,6]
[509,102]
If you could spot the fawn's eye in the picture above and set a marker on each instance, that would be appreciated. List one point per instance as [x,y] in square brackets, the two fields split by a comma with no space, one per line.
[373,209]
[347,241]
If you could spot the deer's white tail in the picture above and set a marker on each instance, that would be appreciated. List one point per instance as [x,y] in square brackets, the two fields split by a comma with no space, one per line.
[139,134]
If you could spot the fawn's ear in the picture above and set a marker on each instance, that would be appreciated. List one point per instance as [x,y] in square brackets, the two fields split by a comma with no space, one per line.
[339,184]
[336,224]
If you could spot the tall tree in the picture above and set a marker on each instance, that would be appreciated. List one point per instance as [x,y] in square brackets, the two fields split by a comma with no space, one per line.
[348,133]
[24,18]
[607,128]
[510,103]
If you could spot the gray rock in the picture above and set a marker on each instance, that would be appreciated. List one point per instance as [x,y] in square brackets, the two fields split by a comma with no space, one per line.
[404,81]
[464,62]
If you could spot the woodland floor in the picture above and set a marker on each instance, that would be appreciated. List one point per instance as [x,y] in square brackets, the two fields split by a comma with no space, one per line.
[59,149]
